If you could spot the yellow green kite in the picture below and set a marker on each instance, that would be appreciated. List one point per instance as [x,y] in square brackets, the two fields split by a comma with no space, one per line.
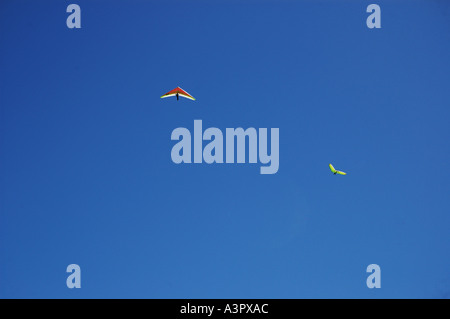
[334,171]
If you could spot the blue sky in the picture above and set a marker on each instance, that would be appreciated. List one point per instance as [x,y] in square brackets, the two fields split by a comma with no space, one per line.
[87,178]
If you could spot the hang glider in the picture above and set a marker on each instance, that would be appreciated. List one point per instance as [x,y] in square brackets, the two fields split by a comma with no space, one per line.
[178,92]
[334,171]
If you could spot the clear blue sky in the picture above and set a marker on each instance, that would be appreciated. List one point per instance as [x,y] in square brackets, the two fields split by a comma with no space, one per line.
[86,175]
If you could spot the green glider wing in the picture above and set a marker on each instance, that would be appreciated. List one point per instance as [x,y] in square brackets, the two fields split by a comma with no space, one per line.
[332,169]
